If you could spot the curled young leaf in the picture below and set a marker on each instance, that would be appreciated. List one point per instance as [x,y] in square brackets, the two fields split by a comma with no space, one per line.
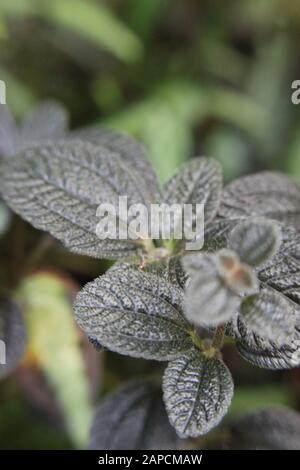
[271,314]
[126,148]
[268,194]
[273,428]
[136,407]
[213,291]
[134,313]
[59,187]
[255,240]
[197,393]
[239,277]
[208,301]
[262,352]
[12,337]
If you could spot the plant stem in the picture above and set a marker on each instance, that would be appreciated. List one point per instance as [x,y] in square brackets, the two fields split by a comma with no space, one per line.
[219,336]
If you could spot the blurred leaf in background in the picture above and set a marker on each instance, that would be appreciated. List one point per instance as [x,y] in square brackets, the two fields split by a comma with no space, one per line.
[54,347]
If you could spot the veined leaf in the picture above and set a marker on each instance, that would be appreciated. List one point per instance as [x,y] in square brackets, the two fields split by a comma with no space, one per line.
[268,194]
[58,188]
[255,240]
[54,346]
[12,337]
[271,314]
[197,393]
[125,147]
[262,352]
[137,406]
[134,313]
[273,428]
[198,182]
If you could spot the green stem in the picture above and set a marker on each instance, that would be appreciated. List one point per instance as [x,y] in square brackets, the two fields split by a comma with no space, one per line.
[219,336]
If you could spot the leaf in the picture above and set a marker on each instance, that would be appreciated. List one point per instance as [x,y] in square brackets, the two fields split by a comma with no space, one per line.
[268,194]
[133,417]
[58,188]
[213,291]
[54,347]
[126,148]
[96,23]
[262,352]
[273,428]
[134,313]
[239,277]
[168,139]
[197,182]
[12,337]
[255,240]
[47,120]
[208,301]
[197,393]
[271,314]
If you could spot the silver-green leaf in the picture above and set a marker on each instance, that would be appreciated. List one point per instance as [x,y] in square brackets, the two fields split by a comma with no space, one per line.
[271,314]
[133,417]
[198,182]
[126,148]
[268,194]
[255,240]
[57,187]
[261,351]
[197,393]
[134,313]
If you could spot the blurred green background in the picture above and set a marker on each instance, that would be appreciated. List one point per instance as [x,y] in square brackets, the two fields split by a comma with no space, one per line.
[186,78]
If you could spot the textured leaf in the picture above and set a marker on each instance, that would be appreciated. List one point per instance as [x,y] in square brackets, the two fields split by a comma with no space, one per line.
[255,240]
[197,182]
[134,313]
[12,333]
[265,194]
[197,393]
[208,301]
[54,347]
[58,188]
[170,269]
[262,352]
[274,428]
[133,417]
[283,271]
[271,314]
[126,148]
